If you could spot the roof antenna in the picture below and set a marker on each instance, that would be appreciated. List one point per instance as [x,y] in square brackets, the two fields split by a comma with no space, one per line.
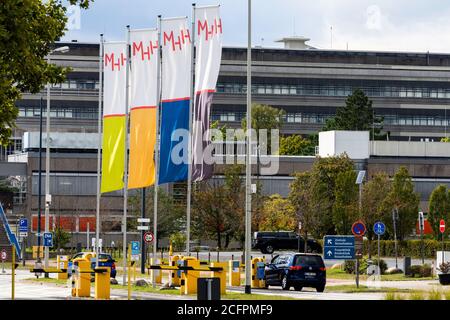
[331,37]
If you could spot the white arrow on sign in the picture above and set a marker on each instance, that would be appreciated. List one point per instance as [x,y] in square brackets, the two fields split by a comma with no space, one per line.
[329,253]
[330,241]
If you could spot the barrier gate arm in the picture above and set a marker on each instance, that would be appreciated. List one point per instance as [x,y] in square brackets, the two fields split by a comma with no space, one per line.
[100,270]
[185,268]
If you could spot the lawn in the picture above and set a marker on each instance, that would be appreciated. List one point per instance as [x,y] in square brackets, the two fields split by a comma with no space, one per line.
[353,289]
[342,275]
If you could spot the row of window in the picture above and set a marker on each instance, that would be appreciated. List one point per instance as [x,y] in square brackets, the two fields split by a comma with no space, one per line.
[336,90]
[317,118]
[55,112]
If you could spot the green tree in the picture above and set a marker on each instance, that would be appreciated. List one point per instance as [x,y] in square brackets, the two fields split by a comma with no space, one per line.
[307,204]
[235,198]
[278,214]
[357,115]
[28,30]
[62,238]
[296,145]
[345,207]
[374,193]
[402,198]
[325,173]
[439,207]
[446,139]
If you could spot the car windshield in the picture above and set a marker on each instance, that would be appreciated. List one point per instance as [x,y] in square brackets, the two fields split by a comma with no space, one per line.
[103,256]
[314,261]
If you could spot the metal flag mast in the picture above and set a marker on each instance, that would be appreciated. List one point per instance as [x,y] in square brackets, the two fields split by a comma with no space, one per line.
[125,187]
[155,191]
[191,104]
[248,163]
[99,152]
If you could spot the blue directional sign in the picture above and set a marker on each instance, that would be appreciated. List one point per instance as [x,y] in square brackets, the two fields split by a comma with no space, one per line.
[23,225]
[48,239]
[379,228]
[339,247]
[135,248]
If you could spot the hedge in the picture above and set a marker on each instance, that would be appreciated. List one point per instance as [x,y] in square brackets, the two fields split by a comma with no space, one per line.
[410,248]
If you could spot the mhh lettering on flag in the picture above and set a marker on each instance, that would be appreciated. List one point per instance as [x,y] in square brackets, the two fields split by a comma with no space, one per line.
[208,26]
[143,106]
[114,116]
[175,73]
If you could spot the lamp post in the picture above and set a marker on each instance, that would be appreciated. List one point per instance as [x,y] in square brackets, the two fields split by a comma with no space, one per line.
[48,199]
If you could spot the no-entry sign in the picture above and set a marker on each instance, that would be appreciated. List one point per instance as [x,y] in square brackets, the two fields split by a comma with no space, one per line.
[442,226]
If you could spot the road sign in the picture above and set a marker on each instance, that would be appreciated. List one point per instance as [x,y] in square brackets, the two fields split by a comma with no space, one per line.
[143,228]
[421,222]
[339,247]
[23,225]
[48,239]
[23,234]
[148,237]
[442,226]
[143,220]
[4,255]
[379,228]
[359,228]
[360,177]
[135,248]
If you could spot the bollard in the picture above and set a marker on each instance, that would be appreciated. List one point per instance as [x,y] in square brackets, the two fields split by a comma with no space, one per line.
[209,257]
[13,272]
[234,273]
[62,263]
[218,253]
[258,273]
[102,284]
[188,283]
[129,271]
[222,275]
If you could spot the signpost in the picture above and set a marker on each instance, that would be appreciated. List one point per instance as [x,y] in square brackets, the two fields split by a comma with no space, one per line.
[339,248]
[143,228]
[379,228]
[442,230]
[48,239]
[135,250]
[421,228]
[359,230]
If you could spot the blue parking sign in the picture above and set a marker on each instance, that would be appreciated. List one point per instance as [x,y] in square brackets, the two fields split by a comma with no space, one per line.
[48,239]
[23,225]
[135,248]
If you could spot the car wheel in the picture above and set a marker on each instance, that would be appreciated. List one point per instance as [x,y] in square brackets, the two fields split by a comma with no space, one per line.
[320,288]
[269,249]
[298,288]
[284,283]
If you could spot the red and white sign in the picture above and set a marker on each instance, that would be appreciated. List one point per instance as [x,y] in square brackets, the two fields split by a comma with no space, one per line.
[442,226]
[148,237]
[4,255]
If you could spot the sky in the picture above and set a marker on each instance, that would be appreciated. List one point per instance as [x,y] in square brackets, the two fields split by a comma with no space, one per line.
[381,25]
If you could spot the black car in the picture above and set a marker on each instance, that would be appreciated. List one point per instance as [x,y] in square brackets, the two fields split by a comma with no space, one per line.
[296,270]
[268,242]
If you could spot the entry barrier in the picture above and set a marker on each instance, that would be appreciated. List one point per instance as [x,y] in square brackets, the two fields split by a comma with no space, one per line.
[190,269]
[63,263]
[234,273]
[258,265]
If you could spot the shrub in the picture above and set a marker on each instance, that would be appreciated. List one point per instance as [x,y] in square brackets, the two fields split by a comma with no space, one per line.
[383,265]
[444,267]
[421,271]
[415,269]
[178,240]
[417,295]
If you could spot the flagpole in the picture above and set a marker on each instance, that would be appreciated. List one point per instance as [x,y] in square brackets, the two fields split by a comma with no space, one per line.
[189,178]
[99,153]
[125,187]
[248,167]
[155,192]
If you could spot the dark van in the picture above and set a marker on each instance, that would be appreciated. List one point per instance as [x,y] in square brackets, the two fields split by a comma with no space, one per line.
[269,241]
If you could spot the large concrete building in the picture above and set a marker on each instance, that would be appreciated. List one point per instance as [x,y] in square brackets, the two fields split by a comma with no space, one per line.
[410,90]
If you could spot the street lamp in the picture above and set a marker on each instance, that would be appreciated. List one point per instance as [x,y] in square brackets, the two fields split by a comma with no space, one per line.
[48,198]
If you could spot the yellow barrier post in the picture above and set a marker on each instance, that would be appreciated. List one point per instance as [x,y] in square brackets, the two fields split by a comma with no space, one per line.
[174,279]
[189,278]
[62,262]
[129,271]
[102,283]
[234,273]
[157,273]
[83,279]
[222,275]
[13,272]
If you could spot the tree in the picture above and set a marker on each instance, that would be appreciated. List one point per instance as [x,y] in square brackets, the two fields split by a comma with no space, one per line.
[345,207]
[62,238]
[357,115]
[374,193]
[446,139]
[324,174]
[439,207]
[278,214]
[296,145]
[402,198]
[28,30]
[306,204]
[171,215]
